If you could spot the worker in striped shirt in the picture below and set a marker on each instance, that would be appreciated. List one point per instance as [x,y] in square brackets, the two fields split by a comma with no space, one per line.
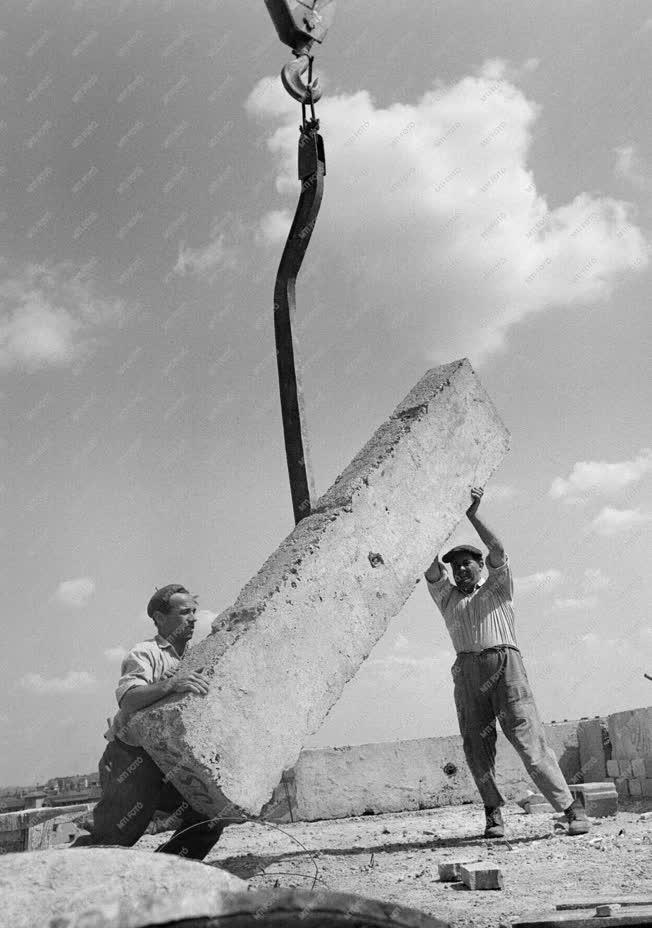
[489,677]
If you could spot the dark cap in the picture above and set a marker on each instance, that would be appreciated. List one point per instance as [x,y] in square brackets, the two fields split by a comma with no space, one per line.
[448,557]
[160,601]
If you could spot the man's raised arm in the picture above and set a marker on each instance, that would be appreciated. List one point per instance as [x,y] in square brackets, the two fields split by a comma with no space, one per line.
[496,557]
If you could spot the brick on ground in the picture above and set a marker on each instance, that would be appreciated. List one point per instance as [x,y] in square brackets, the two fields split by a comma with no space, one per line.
[481,876]
[450,870]
[599,799]
[301,628]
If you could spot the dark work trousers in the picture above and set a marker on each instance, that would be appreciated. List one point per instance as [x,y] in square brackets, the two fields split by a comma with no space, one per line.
[492,685]
[133,788]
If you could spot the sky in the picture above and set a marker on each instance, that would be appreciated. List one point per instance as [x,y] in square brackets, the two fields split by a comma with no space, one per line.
[488,195]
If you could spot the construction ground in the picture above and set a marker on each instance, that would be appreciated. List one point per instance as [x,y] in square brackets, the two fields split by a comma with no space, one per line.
[394,857]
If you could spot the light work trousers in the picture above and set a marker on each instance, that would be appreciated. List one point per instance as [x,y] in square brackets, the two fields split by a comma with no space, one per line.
[493,685]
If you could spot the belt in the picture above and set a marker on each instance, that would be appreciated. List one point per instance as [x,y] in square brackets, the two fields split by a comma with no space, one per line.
[496,647]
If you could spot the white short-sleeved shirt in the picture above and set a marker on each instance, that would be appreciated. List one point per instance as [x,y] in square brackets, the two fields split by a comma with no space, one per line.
[147,662]
[484,618]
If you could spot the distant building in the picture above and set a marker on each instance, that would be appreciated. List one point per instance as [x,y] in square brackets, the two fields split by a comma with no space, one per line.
[35,800]
[11,804]
[75,797]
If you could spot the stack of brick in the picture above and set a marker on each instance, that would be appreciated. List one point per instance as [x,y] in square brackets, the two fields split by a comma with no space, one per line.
[630,766]
[631,776]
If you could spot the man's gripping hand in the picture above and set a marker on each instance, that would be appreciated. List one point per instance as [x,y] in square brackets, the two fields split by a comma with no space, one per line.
[476,496]
[187,681]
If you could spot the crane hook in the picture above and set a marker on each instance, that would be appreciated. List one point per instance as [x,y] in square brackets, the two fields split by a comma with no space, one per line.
[291,78]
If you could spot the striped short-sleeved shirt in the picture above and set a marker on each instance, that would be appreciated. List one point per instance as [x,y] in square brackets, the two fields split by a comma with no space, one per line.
[147,662]
[484,618]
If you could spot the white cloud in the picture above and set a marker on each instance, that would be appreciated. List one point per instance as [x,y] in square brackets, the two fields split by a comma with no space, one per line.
[632,167]
[205,262]
[404,663]
[114,655]
[595,580]
[538,582]
[401,643]
[203,623]
[611,521]
[75,593]
[499,492]
[50,315]
[433,203]
[274,227]
[576,602]
[589,477]
[74,681]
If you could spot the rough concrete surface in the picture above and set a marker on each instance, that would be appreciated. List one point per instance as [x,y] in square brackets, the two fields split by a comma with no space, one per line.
[591,744]
[131,887]
[301,628]
[630,733]
[421,773]
[395,858]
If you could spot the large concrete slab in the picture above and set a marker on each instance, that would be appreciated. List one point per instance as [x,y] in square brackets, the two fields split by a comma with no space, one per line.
[630,733]
[398,776]
[109,888]
[302,627]
[591,734]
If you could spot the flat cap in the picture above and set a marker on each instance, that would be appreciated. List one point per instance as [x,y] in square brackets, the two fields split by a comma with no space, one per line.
[459,549]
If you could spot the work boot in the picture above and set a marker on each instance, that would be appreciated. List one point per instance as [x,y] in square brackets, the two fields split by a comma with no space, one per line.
[495,827]
[578,823]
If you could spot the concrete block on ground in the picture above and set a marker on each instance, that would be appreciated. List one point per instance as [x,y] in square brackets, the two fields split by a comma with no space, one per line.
[539,808]
[450,870]
[635,787]
[648,765]
[534,803]
[630,733]
[599,799]
[625,767]
[612,768]
[301,628]
[638,767]
[622,787]
[138,887]
[481,876]
[647,786]
[563,739]
[396,776]
[591,743]
[601,806]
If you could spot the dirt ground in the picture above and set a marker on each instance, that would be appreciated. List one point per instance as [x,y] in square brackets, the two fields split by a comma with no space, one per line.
[394,858]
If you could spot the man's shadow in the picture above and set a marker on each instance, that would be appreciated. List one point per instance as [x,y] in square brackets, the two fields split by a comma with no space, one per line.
[248,865]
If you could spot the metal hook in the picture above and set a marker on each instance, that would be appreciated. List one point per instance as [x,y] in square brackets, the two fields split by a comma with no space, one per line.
[291,77]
